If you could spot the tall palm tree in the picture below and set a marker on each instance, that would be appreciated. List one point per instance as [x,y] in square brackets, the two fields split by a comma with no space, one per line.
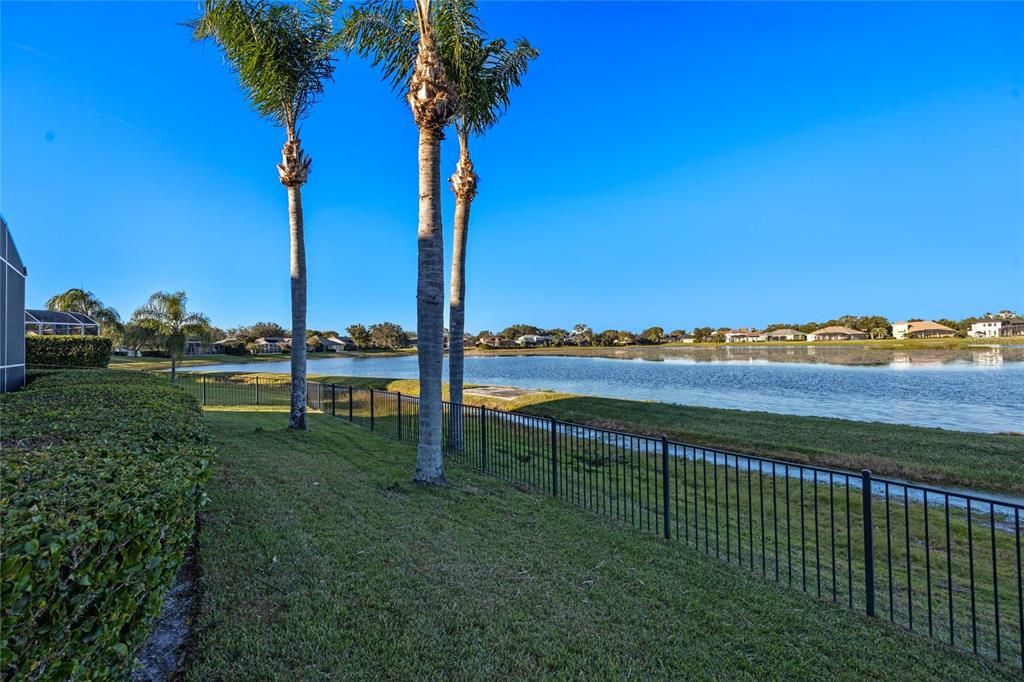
[168,316]
[404,44]
[86,302]
[283,56]
[483,74]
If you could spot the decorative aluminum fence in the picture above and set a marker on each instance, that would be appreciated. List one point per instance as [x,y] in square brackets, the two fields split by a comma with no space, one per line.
[941,563]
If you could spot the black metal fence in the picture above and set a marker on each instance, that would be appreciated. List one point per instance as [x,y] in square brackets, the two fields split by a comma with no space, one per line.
[941,563]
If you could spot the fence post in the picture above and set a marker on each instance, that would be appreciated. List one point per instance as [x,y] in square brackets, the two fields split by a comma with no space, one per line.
[483,439]
[371,410]
[399,393]
[554,457]
[334,401]
[257,390]
[665,487]
[869,544]
[350,417]
[204,389]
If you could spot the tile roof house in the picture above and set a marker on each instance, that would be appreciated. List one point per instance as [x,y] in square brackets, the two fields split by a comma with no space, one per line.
[743,335]
[837,333]
[785,335]
[921,329]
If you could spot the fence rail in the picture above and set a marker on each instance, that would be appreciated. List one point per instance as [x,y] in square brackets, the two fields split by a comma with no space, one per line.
[941,563]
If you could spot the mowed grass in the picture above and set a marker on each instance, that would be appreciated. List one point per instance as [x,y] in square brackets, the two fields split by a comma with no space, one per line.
[322,561]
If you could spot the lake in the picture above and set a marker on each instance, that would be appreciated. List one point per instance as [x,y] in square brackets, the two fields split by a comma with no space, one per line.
[971,390]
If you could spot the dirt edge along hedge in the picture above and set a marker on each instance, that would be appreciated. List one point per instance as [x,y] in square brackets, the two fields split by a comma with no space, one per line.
[67,351]
[103,474]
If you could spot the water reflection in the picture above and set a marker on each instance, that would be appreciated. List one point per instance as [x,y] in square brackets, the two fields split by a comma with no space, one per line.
[832,355]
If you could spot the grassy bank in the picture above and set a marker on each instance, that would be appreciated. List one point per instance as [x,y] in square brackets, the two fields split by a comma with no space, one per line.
[320,559]
[992,462]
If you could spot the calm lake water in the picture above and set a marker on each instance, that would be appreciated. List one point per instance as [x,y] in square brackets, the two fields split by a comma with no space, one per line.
[976,390]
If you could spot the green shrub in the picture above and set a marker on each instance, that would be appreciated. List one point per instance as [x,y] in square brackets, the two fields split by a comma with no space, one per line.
[235,348]
[67,351]
[102,480]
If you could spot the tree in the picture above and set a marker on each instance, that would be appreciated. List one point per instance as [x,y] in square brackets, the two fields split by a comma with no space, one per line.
[652,335]
[140,334]
[514,331]
[171,323]
[360,335]
[582,335]
[283,55]
[86,302]
[403,44]
[483,74]
[257,331]
[387,335]
[702,334]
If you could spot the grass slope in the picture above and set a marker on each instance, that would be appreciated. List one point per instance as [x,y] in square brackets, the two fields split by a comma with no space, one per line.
[321,560]
[993,462]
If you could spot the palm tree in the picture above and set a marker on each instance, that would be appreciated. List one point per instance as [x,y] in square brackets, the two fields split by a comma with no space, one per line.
[283,56]
[86,302]
[404,44]
[483,74]
[167,315]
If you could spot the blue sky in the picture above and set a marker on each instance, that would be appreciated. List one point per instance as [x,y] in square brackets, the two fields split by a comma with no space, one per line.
[680,164]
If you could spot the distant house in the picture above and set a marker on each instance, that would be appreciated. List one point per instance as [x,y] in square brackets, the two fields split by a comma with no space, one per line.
[921,329]
[677,338]
[271,344]
[493,341]
[992,327]
[50,322]
[196,346]
[837,334]
[412,340]
[531,340]
[12,313]
[785,335]
[336,344]
[743,336]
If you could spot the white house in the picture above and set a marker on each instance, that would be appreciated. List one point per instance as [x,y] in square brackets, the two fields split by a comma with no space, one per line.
[743,336]
[527,340]
[335,344]
[921,329]
[271,344]
[785,335]
[993,327]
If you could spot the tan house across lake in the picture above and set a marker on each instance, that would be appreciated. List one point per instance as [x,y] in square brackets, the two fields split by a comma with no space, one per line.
[921,329]
[785,335]
[837,333]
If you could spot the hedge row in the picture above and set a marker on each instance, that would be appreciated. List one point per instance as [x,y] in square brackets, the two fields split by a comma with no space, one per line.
[102,478]
[67,351]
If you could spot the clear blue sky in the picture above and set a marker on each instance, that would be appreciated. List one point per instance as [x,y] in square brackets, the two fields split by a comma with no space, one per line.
[679,164]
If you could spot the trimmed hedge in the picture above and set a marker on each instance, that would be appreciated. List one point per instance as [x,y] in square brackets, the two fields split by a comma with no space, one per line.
[67,351]
[102,479]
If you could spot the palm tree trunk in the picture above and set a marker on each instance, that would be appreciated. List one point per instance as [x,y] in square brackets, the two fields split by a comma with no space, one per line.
[430,310]
[174,367]
[464,187]
[297,420]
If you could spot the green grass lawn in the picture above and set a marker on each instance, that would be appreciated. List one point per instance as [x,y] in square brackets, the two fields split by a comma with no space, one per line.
[322,560]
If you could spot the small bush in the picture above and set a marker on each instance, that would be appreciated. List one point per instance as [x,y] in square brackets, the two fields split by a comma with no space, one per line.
[67,351]
[102,479]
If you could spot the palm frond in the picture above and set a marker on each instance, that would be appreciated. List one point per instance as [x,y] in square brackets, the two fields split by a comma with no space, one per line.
[387,33]
[282,53]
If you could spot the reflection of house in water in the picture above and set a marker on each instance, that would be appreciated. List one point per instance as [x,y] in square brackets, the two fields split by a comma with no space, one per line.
[988,356]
